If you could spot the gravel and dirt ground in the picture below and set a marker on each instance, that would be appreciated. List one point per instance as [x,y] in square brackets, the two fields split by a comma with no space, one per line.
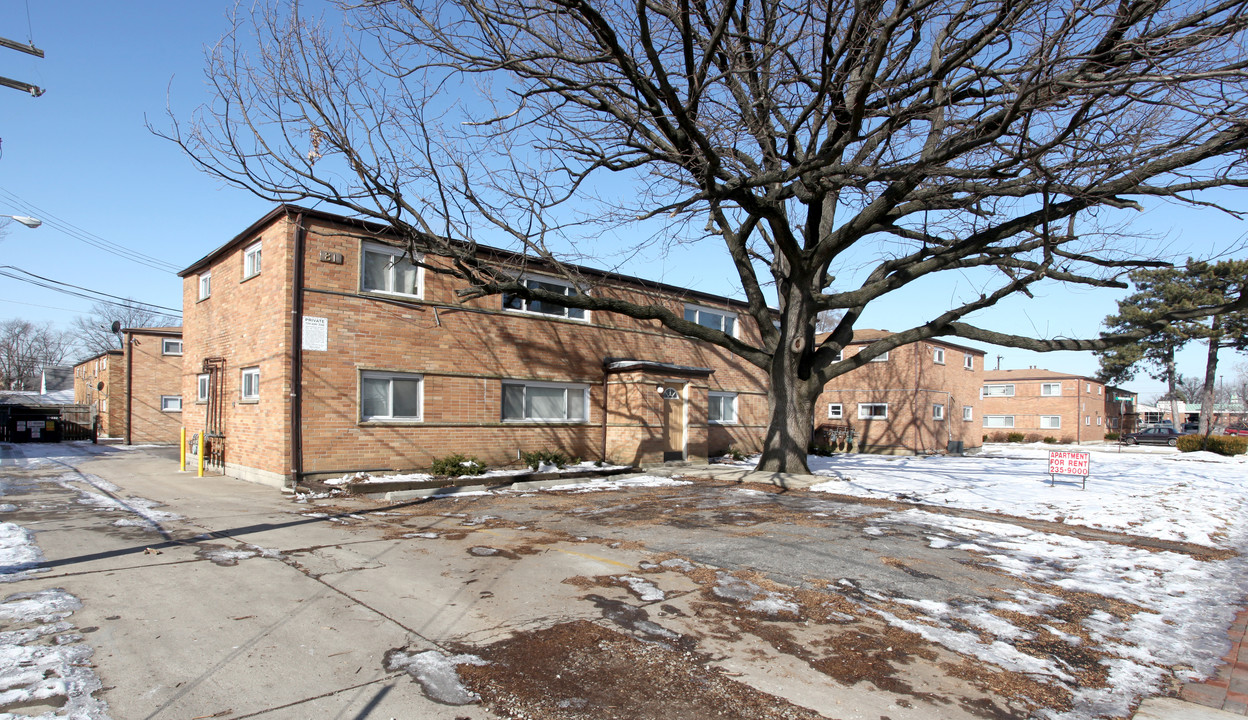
[215,598]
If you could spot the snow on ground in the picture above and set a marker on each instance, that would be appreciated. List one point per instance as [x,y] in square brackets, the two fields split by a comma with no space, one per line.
[30,456]
[1192,497]
[435,671]
[364,478]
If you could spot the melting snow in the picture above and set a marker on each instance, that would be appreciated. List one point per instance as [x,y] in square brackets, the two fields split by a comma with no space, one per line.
[435,671]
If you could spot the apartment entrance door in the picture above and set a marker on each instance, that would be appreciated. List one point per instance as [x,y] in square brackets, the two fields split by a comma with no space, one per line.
[675,420]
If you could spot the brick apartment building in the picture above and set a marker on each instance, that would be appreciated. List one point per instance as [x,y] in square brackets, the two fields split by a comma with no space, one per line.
[916,399]
[1044,403]
[314,348]
[136,393]
[99,383]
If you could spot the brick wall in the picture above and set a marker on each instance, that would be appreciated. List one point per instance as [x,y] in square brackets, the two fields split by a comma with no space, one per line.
[108,404]
[154,375]
[463,352]
[911,382]
[1080,406]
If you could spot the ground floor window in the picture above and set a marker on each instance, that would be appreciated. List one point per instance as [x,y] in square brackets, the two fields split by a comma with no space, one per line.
[872,411]
[201,388]
[390,396]
[968,413]
[1050,422]
[533,401]
[998,421]
[835,411]
[722,408]
[171,403]
[938,412]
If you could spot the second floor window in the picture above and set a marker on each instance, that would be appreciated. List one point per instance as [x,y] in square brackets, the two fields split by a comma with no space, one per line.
[170,347]
[205,285]
[721,320]
[387,270]
[543,307]
[251,261]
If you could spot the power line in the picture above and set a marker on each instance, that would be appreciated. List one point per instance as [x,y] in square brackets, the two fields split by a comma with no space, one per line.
[89,238]
[94,295]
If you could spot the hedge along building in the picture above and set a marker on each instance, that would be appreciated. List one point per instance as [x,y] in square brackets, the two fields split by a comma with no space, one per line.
[314,348]
[913,400]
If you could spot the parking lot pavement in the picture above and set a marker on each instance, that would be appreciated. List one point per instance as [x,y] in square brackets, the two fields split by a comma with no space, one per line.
[210,597]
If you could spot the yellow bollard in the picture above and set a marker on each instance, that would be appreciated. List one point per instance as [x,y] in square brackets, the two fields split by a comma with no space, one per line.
[182,452]
[201,455]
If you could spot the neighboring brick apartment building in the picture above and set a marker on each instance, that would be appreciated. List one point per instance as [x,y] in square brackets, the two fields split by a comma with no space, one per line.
[100,383]
[136,393]
[1069,408]
[917,399]
[386,369]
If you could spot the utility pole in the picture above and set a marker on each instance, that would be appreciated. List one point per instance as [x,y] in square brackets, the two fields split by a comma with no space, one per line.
[34,90]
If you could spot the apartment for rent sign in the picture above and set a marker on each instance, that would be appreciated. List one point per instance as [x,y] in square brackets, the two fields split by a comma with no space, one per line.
[1062,462]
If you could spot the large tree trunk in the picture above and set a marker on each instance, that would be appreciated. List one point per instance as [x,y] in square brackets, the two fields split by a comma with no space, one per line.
[791,405]
[1211,372]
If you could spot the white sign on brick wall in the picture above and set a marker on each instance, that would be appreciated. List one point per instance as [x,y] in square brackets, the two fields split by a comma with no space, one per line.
[315,333]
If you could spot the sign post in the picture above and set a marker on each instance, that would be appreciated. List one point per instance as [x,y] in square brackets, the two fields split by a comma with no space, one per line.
[1062,462]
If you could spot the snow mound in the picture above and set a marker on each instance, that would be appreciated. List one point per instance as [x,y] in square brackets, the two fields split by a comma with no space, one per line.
[435,671]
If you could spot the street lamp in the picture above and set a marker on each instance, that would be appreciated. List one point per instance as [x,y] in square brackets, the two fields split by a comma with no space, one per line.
[29,222]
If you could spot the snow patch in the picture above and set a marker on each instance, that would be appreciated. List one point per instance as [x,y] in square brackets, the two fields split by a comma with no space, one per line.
[435,671]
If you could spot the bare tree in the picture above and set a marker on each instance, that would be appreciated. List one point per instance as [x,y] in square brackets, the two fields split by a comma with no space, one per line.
[881,141]
[95,331]
[26,349]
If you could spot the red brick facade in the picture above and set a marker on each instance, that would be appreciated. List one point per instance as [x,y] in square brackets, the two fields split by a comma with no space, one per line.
[100,383]
[923,398]
[448,362]
[152,412]
[1043,403]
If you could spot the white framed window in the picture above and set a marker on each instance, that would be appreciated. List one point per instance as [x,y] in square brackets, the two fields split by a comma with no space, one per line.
[201,388]
[722,408]
[391,396]
[385,269]
[1087,420]
[251,260]
[1100,390]
[1050,422]
[1098,420]
[721,320]
[968,361]
[840,355]
[968,413]
[171,403]
[997,391]
[882,357]
[938,356]
[835,411]
[515,303]
[872,411]
[169,346]
[1051,389]
[249,386]
[998,421]
[205,285]
[938,411]
[1088,388]
[545,402]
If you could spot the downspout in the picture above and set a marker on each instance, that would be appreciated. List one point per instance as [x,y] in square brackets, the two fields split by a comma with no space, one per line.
[605,373]
[296,358]
[129,382]
[1079,411]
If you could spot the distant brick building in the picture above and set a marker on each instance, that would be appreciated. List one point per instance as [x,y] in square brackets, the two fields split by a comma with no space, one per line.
[136,393]
[100,383]
[1045,403]
[313,347]
[917,399]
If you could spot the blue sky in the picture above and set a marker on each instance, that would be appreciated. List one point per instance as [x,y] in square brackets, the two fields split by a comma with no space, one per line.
[81,155]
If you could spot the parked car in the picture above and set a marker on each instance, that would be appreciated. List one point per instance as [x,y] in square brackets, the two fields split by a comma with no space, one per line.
[1191,427]
[1236,429]
[1153,436]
